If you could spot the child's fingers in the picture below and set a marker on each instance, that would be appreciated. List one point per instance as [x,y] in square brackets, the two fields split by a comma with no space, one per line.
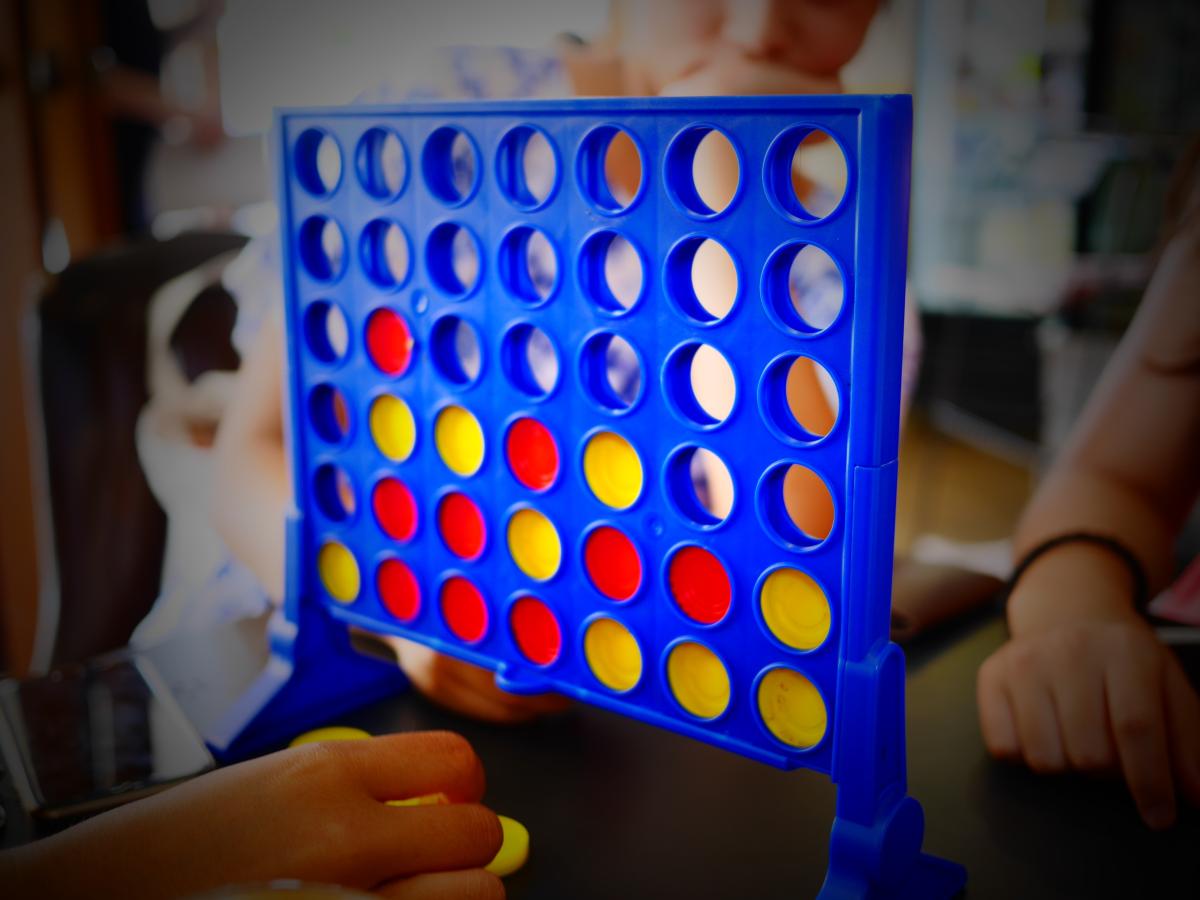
[1183,721]
[440,837]
[996,719]
[471,884]
[1079,700]
[1133,684]
[396,766]
[1036,717]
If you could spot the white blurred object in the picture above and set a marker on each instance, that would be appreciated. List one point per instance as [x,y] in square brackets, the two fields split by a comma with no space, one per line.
[289,53]
[986,557]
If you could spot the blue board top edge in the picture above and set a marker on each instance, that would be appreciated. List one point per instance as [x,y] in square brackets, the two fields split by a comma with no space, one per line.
[825,103]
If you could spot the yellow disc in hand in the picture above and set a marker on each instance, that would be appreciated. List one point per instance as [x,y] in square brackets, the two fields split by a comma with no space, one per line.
[331,733]
[514,851]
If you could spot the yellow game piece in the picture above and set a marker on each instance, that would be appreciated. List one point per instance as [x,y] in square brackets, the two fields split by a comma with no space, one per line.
[613,654]
[339,572]
[792,708]
[795,609]
[331,733]
[459,440]
[514,850]
[534,544]
[393,427]
[698,680]
[613,470]
[424,800]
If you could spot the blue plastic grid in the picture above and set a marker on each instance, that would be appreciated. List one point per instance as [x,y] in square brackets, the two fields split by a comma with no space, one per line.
[856,671]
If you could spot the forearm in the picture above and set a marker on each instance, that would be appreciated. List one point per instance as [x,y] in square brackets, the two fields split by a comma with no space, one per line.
[1129,471]
[1083,581]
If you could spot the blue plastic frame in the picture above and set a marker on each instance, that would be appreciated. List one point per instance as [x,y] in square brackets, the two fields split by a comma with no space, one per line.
[877,834]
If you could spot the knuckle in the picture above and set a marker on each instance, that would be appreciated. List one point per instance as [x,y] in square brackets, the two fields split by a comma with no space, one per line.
[990,673]
[454,748]
[316,761]
[1133,724]
[1024,655]
[1071,642]
[1000,750]
[480,885]
[481,828]
[1043,761]
[1091,759]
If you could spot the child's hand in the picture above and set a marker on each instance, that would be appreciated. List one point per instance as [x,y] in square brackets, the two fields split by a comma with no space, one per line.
[1096,696]
[468,689]
[315,813]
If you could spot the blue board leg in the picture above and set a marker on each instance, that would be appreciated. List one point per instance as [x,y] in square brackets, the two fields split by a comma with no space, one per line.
[884,860]
[875,847]
[314,674]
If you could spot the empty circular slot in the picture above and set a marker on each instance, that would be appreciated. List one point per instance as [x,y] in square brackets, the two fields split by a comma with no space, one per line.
[699,383]
[326,331]
[322,248]
[450,164]
[699,585]
[535,631]
[611,271]
[398,589]
[534,544]
[461,526]
[452,256]
[385,254]
[318,160]
[463,609]
[703,170]
[613,654]
[528,264]
[803,287]
[338,571]
[395,509]
[329,413]
[389,341]
[806,173]
[613,563]
[527,167]
[800,398]
[611,371]
[382,163]
[532,454]
[459,440]
[702,279]
[791,708]
[613,470]
[610,169]
[392,427]
[794,609]
[796,504]
[333,492]
[529,359]
[455,350]
[699,680]
[700,485]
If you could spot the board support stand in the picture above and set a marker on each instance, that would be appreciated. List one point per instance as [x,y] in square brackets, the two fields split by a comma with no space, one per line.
[313,673]
[875,847]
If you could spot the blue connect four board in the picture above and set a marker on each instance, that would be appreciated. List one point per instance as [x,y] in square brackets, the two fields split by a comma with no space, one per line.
[499,450]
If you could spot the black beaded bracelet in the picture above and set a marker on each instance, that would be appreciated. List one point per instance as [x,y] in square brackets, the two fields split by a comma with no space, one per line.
[1137,572]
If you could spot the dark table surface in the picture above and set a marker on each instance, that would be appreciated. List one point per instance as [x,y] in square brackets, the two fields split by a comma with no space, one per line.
[618,809]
